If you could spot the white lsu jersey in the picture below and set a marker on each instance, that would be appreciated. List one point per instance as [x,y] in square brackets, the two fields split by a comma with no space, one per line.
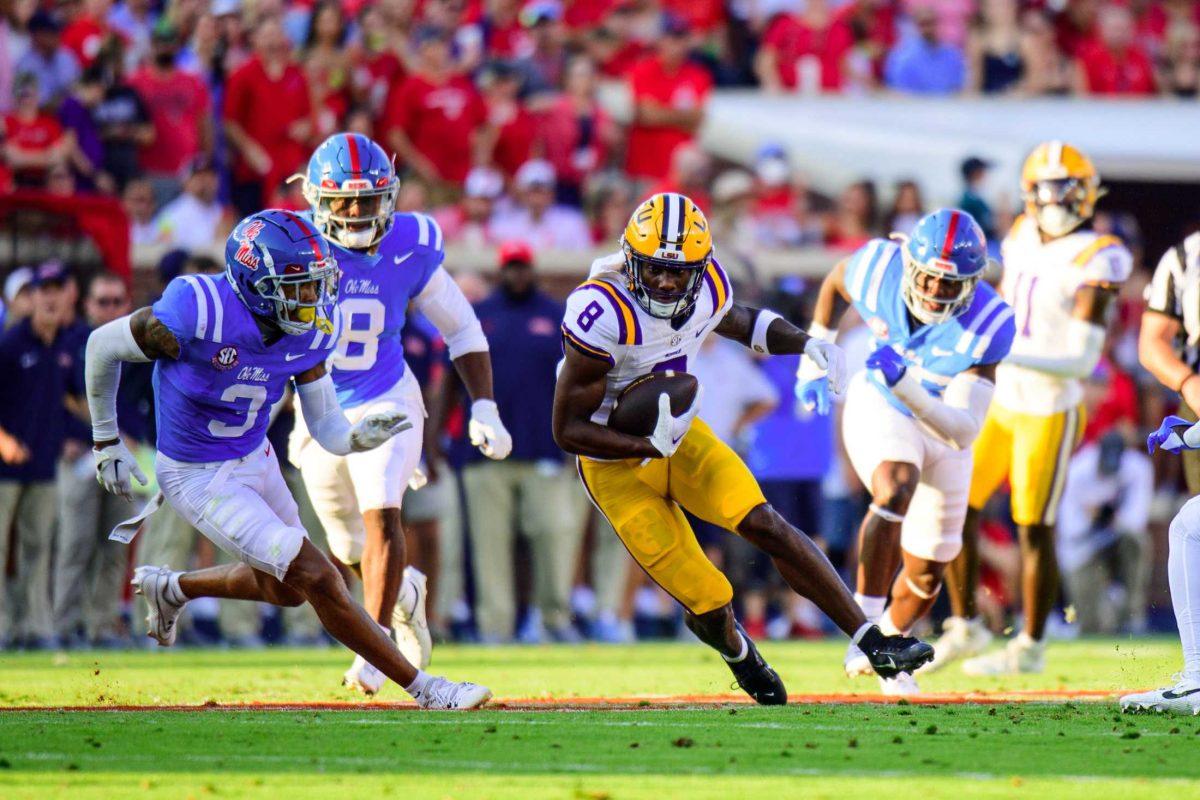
[1040,283]
[603,321]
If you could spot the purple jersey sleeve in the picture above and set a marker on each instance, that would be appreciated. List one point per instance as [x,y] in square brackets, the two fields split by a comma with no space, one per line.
[179,309]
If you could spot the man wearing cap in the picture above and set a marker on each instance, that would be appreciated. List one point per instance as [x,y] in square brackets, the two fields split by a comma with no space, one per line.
[54,67]
[180,108]
[37,359]
[530,492]
[534,217]
[669,96]
[18,296]
[467,223]
[196,220]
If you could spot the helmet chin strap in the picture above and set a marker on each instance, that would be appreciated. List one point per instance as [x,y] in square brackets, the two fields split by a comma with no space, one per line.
[356,240]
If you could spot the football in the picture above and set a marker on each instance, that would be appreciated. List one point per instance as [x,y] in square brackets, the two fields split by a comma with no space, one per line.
[636,409]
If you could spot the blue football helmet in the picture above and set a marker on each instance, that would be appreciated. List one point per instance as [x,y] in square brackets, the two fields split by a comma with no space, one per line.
[349,167]
[283,270]
[945,251]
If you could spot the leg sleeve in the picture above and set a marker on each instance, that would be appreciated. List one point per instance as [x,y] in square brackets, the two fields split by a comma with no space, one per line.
[657,535]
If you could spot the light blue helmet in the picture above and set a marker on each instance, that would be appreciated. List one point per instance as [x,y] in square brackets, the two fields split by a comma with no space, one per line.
[947,245]
[349,167]
[283,270]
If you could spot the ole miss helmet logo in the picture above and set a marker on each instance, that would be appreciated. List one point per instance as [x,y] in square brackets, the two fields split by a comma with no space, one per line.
[245,253]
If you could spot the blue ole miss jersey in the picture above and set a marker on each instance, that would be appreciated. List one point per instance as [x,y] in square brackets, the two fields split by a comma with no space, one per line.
[214,401]
[373,295]
[980,334]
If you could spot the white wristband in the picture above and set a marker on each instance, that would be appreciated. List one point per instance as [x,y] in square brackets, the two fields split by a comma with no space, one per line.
[758,339]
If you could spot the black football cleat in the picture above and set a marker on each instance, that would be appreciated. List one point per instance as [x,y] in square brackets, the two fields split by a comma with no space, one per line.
[755,676]
[891,655]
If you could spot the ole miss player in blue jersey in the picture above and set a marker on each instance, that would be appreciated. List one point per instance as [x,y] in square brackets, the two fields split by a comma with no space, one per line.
[388,260]
[225,349]
[911,416]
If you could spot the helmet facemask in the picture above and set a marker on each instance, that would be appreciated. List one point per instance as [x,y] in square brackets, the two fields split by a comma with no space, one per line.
[657,302]
[302,295]
[362,231]
[921,285]
[1060,205]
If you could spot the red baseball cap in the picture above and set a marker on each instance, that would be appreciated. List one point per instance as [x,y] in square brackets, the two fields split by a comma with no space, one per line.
[515,252]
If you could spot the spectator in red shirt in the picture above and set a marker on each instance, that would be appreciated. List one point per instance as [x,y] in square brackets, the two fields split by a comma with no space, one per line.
[87,30]
[435,119]
[612,46]
[853,223]
[503,34]
[33,140]
[378,62]
[577,135]
[691,169]
[669,96]
[872,26]
[1114,64]
[180,108]
[803,52]
[327,67]
[510,125]
[268,118]
[468,222]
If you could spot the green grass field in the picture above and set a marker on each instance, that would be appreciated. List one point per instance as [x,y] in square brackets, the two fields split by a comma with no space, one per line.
[667,732]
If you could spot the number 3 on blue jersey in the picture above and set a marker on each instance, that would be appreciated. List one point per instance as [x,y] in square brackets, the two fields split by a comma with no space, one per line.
[363,321]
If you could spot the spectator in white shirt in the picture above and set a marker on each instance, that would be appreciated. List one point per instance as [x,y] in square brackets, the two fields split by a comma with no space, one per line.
[1103,545]
[534,218]
[195,221]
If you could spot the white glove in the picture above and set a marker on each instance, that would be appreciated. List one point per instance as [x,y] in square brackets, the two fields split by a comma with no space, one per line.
[487,432]
[114,465]
[669,430]
[375,429]
[830,359]
[418,479]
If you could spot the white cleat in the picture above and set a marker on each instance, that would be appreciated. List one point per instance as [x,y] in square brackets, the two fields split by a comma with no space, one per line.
[903,685]
[363,677]
[165,603]
[447,695]
[1182,698]
[857,664]
[410,628]
[1020,655]
[961,638]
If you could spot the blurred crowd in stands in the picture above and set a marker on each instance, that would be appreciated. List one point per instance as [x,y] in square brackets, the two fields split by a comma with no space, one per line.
[192,113]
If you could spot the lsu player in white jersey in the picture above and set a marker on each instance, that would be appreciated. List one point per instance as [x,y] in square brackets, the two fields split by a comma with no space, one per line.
[387,261]
[910,418]
[1061,279]
[647,309]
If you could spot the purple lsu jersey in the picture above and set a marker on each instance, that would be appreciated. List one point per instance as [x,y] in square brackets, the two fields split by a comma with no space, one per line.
[373,296]
[981,334]
[214,402]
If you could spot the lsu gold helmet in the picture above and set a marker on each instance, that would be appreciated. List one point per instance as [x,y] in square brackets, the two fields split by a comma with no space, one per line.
[667,241]
[1060,187]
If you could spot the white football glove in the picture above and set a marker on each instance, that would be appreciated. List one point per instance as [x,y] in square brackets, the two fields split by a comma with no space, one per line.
[487,432]
[114,465]
[375,429]
[418,479]
[829,359]
[669,430]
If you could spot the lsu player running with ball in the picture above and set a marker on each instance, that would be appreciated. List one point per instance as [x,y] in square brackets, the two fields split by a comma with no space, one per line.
[387,260]
[1061,280]
[647,309]
[225,349]
[910,418]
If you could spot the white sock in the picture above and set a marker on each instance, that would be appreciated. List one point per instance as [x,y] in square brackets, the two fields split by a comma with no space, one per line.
[887,626]
[1183,573]
[419,683]
[175,594]
[740,656]
[872,607]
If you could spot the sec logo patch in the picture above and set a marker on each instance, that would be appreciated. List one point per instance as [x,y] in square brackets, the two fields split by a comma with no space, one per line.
[226,358]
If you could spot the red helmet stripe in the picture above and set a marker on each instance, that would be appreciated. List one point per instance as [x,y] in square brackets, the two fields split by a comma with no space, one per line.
[948,245]
[307,231]
[355,163]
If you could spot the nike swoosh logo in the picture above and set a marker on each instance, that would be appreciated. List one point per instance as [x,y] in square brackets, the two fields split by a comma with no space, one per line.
[1170,695]
[398,260]
[292,356]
